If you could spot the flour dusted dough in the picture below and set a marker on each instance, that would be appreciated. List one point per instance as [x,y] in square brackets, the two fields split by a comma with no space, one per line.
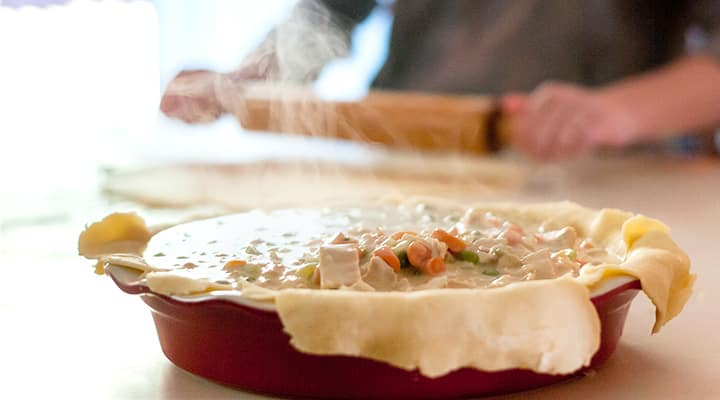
[287,183]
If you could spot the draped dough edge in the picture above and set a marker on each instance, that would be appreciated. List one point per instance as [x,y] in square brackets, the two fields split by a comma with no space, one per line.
[547,326]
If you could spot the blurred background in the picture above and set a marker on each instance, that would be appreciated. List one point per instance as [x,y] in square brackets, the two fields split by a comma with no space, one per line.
[80,84]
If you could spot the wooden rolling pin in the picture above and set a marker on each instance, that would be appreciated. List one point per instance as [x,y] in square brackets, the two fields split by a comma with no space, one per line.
[470,124]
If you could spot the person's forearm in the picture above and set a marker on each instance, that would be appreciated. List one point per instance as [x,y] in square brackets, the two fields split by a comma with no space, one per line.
[682,97]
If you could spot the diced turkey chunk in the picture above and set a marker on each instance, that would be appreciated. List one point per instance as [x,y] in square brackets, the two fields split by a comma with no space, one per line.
[339,265]
[474,219]
[539,264]
[380,275]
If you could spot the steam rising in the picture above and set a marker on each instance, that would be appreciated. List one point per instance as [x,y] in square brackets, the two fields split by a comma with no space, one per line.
[273,92]
[306,42]
[280,97]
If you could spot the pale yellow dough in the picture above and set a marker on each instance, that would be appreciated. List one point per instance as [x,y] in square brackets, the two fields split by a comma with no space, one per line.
[661,266]
[116,233]
[547,326]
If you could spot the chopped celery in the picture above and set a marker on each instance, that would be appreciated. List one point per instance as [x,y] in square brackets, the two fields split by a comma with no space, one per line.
[452,218]
[402,256]
[252,271]
[449,258]
[306,271]
[569,253]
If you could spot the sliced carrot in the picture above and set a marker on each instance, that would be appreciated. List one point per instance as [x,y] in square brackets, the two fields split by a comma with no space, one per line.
[513,237]
[389,257]
[454,243]
[235,264]
[516,228]
[514,234]
[418,254]
[434,266]
[398,235]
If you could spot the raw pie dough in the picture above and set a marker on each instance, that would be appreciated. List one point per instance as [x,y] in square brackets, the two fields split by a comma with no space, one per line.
[548,326]
[285,184]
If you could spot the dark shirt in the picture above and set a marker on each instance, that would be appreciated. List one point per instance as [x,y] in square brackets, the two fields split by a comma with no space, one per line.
[495,46]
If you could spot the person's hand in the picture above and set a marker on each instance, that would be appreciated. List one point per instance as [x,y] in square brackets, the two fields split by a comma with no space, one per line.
[563,121]
[191,97]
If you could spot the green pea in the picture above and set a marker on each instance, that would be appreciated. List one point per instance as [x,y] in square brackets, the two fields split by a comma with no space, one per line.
[469,256]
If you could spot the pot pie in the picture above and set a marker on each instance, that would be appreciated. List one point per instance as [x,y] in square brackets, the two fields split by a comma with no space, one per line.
[420,284]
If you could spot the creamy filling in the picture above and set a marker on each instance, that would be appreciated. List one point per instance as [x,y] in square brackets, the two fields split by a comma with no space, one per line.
[381,249]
